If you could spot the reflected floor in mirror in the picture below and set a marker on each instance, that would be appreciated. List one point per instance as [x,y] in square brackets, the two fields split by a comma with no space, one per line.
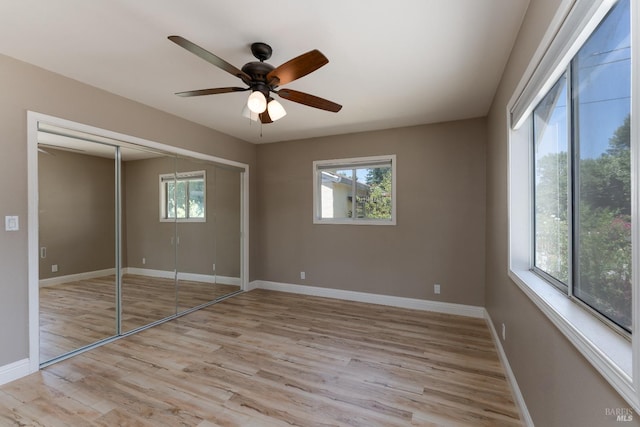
[80,313]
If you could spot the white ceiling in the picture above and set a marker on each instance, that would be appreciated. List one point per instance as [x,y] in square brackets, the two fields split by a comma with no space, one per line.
[391,63]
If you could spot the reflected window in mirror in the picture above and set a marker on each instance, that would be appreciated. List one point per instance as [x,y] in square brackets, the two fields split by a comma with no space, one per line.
[183,197]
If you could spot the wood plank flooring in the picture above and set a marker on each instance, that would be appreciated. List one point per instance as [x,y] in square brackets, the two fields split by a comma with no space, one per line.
[79,313]
[265,358]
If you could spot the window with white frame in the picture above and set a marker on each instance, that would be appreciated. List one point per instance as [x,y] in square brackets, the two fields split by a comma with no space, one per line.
[582,173]
[571,214]
[355,191]
[183,196]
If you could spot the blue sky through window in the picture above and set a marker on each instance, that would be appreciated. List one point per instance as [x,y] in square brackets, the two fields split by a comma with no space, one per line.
[602,82]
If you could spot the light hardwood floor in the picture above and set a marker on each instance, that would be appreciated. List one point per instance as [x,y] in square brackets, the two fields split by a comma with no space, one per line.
[265,358]
[79,313]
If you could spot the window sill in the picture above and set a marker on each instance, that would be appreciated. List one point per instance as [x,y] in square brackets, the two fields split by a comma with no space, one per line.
[606,350]
[354,221]
[182,220]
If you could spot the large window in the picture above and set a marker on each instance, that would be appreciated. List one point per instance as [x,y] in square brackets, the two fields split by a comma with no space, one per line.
[182,196]
[573,223]
[587,207]
[355,191]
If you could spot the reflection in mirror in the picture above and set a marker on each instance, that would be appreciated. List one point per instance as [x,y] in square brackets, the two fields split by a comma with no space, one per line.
[77,240]
[198,231]
[148,240]
[228,226]
[172,226]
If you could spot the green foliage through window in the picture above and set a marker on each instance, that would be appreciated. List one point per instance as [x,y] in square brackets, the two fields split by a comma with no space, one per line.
[358,189]
[184,196]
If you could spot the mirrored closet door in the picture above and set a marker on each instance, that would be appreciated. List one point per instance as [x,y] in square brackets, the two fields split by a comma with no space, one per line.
[228,225]
[204,233]
[77,242]
[148,238]
[129,237]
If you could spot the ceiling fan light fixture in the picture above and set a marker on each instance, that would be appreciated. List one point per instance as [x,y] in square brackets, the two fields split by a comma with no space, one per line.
[257,102]
[246,112]
[276,110]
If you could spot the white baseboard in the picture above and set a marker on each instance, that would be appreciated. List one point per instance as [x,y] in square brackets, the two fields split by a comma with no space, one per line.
[412,303]
[169,274]
[14,370]
[224,280]
[517,394]
[163,274]
[75,277]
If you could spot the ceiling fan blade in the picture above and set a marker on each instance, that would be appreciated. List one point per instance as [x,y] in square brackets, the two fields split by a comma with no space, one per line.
[212,91]
[264,117]
[310,100]
[208,56]
[297,67]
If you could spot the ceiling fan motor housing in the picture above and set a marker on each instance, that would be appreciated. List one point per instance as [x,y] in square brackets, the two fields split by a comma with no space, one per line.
[258,72]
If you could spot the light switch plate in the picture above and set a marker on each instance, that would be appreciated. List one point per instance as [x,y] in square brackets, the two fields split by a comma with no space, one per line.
[11,223]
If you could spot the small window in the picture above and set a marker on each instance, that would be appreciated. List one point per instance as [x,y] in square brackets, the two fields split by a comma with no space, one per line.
[182,196]
[355,191]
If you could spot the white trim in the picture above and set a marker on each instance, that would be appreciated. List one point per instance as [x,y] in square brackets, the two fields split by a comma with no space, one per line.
[52,281]
[80,127]
[402,302]
[348,164]
[165,274]
[33,118]
[635,191]
[170,274]
[33,242]
[15,370]
[511,378]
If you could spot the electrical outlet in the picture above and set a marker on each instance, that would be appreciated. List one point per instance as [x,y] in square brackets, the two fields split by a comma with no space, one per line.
[436,289]
[54,268]
[303,275]
[214,267]
[11,223]
[504,332]
[144,261]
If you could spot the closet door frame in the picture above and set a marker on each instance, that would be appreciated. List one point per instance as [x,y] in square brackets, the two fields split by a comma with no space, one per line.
[33,121]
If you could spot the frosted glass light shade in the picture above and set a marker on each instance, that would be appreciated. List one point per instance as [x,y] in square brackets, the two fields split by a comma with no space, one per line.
[246,112]
[276,110]
[257,102]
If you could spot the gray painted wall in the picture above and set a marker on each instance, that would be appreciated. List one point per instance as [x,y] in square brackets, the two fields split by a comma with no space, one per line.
[77,208]
[560,387]
[439,236]
[201,243]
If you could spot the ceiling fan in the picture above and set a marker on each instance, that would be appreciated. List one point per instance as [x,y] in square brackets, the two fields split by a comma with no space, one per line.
[263,79]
